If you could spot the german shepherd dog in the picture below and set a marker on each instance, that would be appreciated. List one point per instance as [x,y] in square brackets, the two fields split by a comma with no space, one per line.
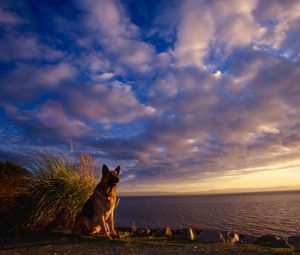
[98,212]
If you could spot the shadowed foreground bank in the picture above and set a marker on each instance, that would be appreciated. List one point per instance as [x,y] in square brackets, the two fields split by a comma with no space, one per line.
[69,244]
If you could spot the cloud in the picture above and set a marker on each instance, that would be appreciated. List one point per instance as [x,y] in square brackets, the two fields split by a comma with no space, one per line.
[46,123]
[278,17]
[217,130]
[193,40]
[105,76]
[15,46]
[105,103]
[109,26]
[52,75]
[201,30]
[108,18]
[9,18]
[184,91]
[26,82]
[218,28]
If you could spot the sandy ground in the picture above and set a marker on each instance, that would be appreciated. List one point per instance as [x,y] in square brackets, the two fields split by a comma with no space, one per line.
[58,244]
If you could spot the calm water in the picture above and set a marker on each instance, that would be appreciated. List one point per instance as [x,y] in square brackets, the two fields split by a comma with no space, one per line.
[264,213]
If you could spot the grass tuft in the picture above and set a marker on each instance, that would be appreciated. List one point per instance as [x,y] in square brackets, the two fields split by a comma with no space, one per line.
[59,188]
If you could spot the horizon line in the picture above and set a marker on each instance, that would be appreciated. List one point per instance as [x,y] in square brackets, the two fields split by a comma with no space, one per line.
[207,193]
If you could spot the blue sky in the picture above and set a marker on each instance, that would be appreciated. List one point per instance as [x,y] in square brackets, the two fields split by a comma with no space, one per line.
[184,95]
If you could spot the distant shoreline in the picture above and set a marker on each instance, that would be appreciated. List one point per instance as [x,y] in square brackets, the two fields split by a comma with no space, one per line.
[210,194]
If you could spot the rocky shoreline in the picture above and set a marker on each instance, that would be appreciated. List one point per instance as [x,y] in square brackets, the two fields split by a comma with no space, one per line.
[206,236]
[226,242]
[185,241]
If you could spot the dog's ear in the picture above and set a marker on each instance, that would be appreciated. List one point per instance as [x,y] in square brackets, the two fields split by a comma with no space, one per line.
[104,169]
[117,170]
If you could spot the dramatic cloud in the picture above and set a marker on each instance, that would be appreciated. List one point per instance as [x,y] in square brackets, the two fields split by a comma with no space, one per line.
[8,18]
[105,104]
[15,46]
[188,93]
[216,26]
[26,82]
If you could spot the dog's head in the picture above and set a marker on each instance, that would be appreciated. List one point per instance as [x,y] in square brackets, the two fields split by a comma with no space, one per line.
[110,178]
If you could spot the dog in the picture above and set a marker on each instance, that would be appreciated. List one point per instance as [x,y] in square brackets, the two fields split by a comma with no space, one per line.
[98,212]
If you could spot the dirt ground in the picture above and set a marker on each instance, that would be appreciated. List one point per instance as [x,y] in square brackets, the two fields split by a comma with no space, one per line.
[59,244]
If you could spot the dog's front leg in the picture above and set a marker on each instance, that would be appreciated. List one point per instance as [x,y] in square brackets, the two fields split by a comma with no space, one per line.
[111,221]
[104,226]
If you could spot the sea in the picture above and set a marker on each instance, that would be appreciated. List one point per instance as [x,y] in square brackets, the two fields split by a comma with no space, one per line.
[276,213]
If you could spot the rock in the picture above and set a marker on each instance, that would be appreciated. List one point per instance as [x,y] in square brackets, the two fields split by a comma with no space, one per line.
[148,231]
[231,237]
[198,231]
[133,228]
[142,232]
[211,236]
[248,239]
[295,242]
[158,233]
[184,234]
[191,235]
[266,239]
[124,234]
[179,234]
[280,243]
[272,241]
[168,232]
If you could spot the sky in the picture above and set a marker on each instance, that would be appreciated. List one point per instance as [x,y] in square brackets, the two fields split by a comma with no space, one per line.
[185,95]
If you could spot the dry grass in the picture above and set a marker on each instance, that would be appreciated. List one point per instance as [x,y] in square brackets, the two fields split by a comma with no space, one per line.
[47,198]
[59,188]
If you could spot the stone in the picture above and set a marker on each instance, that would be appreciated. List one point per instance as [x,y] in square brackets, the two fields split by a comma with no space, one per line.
[295,242]
[124,234]
[158,233]
[142,232]
[198,231]
[184,234]
[248,239]
[133,228]
[266,239]
[231,237]
[272,241]
[179,234]
[191,235]
[211,236]
[168,232]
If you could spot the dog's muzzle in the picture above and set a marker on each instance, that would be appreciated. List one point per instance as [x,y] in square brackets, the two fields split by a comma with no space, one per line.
[113,182]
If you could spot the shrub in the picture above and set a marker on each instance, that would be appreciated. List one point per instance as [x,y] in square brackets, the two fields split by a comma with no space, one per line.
[59,189]
[8,169]
[13,185]
[13,192]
